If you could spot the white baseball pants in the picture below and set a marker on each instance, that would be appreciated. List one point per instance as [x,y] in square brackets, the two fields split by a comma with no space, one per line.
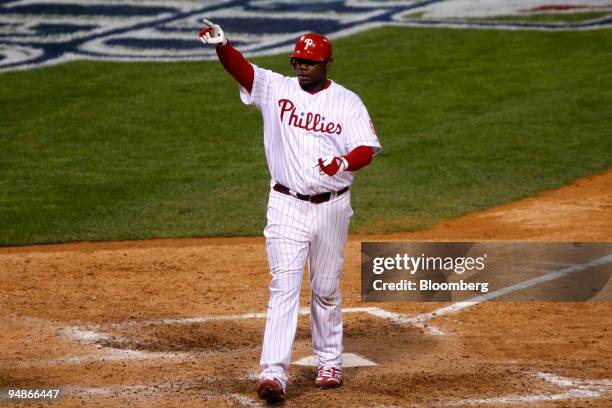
[300,231]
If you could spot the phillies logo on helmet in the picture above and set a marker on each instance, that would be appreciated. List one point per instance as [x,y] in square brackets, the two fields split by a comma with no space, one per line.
[308,43]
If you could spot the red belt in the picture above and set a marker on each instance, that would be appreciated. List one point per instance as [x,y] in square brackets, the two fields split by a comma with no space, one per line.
[315,199]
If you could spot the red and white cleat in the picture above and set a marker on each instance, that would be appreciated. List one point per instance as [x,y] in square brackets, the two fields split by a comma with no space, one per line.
[328,377]
[271,390]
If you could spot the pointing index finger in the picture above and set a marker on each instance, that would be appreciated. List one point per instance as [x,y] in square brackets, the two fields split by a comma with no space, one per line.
[208,23]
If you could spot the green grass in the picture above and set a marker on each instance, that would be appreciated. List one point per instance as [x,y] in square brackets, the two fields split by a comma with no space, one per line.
[467,119]
[550,17]
[528,18]
[415,15]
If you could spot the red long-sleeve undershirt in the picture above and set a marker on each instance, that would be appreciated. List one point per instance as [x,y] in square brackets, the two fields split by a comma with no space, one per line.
[242,71]
[237,66]
[359,157]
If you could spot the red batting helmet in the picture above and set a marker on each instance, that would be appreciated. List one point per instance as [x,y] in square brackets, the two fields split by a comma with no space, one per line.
[312,47]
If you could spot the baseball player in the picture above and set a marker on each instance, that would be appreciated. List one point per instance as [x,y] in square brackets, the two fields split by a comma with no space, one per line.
[316,135]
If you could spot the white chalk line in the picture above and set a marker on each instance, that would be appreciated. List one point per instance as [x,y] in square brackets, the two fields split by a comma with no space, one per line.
[405,320]
[421,321]
[590,389]
[456,307]
[570,382]
[581,389]
[87,335]
[103,354]
[93,335]
[374,311]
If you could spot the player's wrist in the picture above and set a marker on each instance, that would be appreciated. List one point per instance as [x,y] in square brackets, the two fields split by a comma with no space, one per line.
[344,165]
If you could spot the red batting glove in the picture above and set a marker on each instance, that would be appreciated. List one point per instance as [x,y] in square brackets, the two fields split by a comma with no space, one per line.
[332,165]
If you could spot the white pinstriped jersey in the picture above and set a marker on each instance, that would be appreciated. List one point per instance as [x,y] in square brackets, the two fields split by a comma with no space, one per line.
[300,128]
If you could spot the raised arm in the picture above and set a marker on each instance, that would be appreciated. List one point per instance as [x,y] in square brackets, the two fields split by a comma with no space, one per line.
[231,59]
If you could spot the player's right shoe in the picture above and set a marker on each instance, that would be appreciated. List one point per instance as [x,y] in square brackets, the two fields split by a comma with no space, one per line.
[271,390]
[328,377]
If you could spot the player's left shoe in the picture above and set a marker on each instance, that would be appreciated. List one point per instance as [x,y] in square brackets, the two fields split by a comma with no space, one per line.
[328,377]
[271,390]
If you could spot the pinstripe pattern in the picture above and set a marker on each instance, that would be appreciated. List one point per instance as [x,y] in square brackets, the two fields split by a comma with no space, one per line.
[299,232]
[292,152]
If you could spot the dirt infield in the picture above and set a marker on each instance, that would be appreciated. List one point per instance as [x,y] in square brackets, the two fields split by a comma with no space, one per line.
[164,323]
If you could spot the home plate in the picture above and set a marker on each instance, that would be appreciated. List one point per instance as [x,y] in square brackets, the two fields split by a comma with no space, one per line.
[348,360]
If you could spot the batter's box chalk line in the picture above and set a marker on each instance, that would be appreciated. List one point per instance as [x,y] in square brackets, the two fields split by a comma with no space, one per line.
[94,334]
[459,306]
[574,388]
[571,389]
[88,334]
[397,318]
